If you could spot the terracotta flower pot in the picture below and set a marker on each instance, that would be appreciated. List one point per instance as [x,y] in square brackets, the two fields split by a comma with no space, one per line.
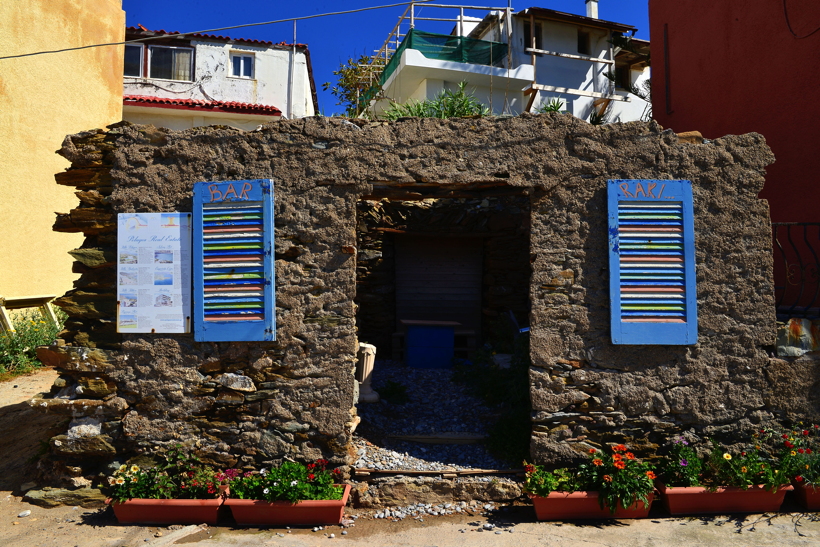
[282,513]
[151,511]
[696,500]
[807,495]
[583,505]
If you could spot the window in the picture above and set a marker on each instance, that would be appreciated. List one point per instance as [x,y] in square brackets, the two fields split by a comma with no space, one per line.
[242,66]
[652,286]
[171,63]
[584,42]
[623,77]
[233,269]
[528,37]
[133,60]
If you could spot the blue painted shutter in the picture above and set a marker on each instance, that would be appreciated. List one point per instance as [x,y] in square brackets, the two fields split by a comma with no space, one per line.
[233,261]
[652,262]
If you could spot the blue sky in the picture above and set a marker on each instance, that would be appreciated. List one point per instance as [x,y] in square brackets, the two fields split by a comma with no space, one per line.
[332,40]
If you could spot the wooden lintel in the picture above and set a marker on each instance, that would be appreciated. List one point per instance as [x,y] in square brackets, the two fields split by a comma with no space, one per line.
[580,92]
[570,56]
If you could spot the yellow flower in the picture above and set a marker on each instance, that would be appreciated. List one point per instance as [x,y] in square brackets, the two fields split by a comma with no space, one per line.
[727,456]
[793,453]
[120,480]
[135,469]
[743,470]
[111,480]
[123,467]
[807,467]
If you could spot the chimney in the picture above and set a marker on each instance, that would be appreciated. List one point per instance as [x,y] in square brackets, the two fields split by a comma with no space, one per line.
[592,8]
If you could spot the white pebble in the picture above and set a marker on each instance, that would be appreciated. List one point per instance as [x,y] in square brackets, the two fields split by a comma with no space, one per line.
[332,535]
[24,514]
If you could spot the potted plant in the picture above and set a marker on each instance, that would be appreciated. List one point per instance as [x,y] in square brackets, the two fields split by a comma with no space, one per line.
[749,481]
[178,491]
[291,494]
[801,460]
[608,485]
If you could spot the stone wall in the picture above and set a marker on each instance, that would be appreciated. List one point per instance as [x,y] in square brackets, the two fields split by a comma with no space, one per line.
[243,403]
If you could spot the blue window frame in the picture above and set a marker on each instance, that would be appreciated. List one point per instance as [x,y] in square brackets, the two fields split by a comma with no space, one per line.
[653,296]
[233,268]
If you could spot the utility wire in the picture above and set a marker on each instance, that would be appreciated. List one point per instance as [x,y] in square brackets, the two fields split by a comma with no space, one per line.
[178,35]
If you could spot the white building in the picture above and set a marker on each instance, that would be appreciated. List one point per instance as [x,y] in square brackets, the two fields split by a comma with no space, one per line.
[184,81]
[517,62]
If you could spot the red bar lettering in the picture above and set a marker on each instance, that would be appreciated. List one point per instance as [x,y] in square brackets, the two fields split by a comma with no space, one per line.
[245,188]
[229,191]
[639,190]
[649,187]
[216,195]
[661,192]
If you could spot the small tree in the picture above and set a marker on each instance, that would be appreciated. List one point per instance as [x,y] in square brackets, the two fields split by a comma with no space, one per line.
[357,83]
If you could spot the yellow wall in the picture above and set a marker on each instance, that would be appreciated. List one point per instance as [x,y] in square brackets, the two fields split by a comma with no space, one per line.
[42,99]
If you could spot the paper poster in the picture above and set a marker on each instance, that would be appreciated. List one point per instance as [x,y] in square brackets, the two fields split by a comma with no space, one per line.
[154,272]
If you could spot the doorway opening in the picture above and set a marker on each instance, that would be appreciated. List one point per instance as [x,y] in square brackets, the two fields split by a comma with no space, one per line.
[457,264]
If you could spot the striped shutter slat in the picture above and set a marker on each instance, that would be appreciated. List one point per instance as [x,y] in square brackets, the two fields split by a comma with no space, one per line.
[233,264]
[651,244]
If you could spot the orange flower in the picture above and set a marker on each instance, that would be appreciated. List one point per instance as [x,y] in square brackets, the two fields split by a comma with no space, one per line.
[620,465]
[617,457]
[607,478]
[619,448]
[593,450]
[597,461]
[651,475]
[629,456]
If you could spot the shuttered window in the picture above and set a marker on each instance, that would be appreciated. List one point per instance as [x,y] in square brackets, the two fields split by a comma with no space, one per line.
[652,262]
[233,261]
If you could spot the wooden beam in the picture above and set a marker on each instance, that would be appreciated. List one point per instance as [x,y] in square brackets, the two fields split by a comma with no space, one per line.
[570,56]
[581,92]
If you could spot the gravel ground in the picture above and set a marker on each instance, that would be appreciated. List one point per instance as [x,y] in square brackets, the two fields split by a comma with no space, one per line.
[436,406]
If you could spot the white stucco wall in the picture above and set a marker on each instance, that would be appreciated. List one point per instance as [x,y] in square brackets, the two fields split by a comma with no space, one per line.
[213,80]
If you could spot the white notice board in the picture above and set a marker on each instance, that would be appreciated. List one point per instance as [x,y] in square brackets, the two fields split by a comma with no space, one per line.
[154,272]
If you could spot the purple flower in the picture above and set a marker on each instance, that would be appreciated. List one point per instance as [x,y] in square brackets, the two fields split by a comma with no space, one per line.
[684,463]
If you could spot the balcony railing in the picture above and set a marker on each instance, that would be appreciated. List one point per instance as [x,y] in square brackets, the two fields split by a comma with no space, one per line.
[797,269]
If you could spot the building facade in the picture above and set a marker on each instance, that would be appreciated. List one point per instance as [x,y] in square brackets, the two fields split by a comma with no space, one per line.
[183,81]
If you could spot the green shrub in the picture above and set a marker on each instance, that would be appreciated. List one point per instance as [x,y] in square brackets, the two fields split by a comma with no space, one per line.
[18,350]
[448,104]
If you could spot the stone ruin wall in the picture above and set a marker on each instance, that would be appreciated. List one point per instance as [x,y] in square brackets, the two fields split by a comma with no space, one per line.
[138,393]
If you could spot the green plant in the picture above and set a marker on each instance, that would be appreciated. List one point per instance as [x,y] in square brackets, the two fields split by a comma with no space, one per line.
[357,84]
[447,104]
[18,349]
[181,476]
[554,105]
[394,392]
[597,117]
[800,454]
[291,481]
[750,467]
[619,478]
[681,466]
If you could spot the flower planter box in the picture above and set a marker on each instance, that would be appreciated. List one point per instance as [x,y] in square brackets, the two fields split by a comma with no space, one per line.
[152,511]
[282,513]
[807,495]
[696,500]
[583,505]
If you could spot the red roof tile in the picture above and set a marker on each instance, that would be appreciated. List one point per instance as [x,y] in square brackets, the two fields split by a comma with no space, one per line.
[201,105]
[142,30]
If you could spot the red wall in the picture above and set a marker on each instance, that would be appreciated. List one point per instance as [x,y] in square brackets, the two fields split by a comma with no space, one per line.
[735,67]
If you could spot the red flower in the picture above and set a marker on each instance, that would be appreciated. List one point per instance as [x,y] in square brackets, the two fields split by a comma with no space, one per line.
[311,476]
[798,478]
[311,465]
[651,475]
[607,478]
[805,432]
[808,451]
[617,457]
[593,450]
[785,435]
[742,453]
[619,448]
[597,461]
[620,465]
[527,468]
[788,444]
[629,456]
[800,450]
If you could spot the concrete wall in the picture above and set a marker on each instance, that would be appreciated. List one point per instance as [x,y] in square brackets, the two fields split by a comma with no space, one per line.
[148,391]
[44,98]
